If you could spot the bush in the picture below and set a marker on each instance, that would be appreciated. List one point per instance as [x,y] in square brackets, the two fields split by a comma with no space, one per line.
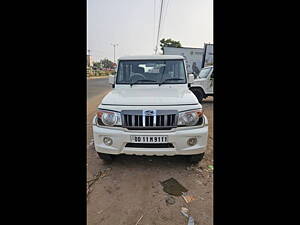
[98,73]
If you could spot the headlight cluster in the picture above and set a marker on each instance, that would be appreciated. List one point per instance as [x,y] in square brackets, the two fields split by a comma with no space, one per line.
[108,118]
[190,118]
[186,118]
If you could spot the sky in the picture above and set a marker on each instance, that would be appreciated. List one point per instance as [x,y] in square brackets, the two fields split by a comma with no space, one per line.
[133,25]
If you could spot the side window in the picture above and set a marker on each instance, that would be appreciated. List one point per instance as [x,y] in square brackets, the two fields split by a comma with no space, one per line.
[212,74]
[204,72]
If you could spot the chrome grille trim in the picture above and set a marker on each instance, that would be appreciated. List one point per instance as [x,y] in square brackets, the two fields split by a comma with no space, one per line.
[155,119]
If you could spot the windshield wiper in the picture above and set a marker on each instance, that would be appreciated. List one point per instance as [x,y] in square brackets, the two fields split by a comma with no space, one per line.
[141,80]
[169,80]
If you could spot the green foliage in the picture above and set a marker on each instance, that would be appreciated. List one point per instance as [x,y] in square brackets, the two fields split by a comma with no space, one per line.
[169,43]
[102,68]
[97,73]
[106,63]
[97,65]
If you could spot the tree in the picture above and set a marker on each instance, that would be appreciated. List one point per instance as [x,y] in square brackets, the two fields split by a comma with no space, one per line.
[169,43]
[97,65]
[106,63]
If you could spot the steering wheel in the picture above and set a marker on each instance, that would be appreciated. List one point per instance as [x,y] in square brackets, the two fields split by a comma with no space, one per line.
[136,76]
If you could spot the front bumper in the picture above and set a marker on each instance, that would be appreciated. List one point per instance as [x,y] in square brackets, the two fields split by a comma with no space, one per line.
[178,137]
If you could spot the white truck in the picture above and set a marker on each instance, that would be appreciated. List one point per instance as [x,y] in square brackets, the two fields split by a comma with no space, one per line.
[203,85]
[150,111]
[199,61]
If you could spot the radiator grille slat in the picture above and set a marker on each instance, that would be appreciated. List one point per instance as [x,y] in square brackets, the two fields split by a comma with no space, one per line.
[166,120]
[158,121]
[129,120]
[173,119]
[147,121]
[125,120]
[151,120]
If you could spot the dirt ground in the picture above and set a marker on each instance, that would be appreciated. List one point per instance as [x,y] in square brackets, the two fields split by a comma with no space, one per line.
[129,188]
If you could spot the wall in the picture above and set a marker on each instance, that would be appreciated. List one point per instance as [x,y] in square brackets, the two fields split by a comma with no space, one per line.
[191,55]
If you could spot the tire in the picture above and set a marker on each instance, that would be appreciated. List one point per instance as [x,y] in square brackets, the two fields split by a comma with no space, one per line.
[105,157]
[199,94]
[196,158]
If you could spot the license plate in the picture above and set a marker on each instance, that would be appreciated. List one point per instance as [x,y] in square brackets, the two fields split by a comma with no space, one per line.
[149,139]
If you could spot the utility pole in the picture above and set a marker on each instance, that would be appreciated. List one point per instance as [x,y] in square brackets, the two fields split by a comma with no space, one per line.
[114,45]
[158,31]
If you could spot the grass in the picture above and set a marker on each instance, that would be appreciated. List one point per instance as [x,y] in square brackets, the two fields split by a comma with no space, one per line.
[100,73]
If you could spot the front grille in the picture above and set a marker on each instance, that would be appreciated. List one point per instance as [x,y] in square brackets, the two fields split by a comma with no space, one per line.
[147,145]
[160,119]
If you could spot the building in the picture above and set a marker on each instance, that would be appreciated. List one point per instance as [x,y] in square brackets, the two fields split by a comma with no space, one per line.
[89,60]
[193,56]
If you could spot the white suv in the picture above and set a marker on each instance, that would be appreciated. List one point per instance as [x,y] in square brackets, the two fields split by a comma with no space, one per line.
[203,85]
[150,111]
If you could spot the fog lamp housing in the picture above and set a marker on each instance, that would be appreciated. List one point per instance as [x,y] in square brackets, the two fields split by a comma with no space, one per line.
[107,141]
[192,141]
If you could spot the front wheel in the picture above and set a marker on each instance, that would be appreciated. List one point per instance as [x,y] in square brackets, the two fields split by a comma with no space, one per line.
[196,158]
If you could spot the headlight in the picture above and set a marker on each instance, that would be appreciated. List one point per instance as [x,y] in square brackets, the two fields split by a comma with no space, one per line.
[108,118]
[190,118]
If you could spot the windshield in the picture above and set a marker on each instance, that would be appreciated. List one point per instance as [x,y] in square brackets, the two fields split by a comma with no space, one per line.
[151,72]
[204,72]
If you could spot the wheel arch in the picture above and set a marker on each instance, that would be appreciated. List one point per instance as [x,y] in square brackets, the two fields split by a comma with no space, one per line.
[199,88]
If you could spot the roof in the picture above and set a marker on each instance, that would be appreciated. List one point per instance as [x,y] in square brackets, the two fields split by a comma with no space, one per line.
[146,57]
[185,48]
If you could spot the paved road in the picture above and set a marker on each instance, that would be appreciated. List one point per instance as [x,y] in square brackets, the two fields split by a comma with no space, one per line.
[132,186]
[97,86]
[96,90]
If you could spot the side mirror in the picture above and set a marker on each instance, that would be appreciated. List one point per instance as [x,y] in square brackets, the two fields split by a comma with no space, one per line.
[191,78]
[111,79]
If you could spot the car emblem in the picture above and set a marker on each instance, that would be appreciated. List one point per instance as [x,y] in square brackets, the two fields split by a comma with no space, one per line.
[149,112]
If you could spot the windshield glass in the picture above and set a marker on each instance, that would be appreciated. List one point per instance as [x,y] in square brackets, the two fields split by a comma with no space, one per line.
[204,72]
[151,72]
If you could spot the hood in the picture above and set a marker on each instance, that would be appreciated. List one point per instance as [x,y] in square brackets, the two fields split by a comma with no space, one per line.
[150,95]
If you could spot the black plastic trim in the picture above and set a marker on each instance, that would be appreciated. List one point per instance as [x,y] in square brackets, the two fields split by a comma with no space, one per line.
[149,145]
